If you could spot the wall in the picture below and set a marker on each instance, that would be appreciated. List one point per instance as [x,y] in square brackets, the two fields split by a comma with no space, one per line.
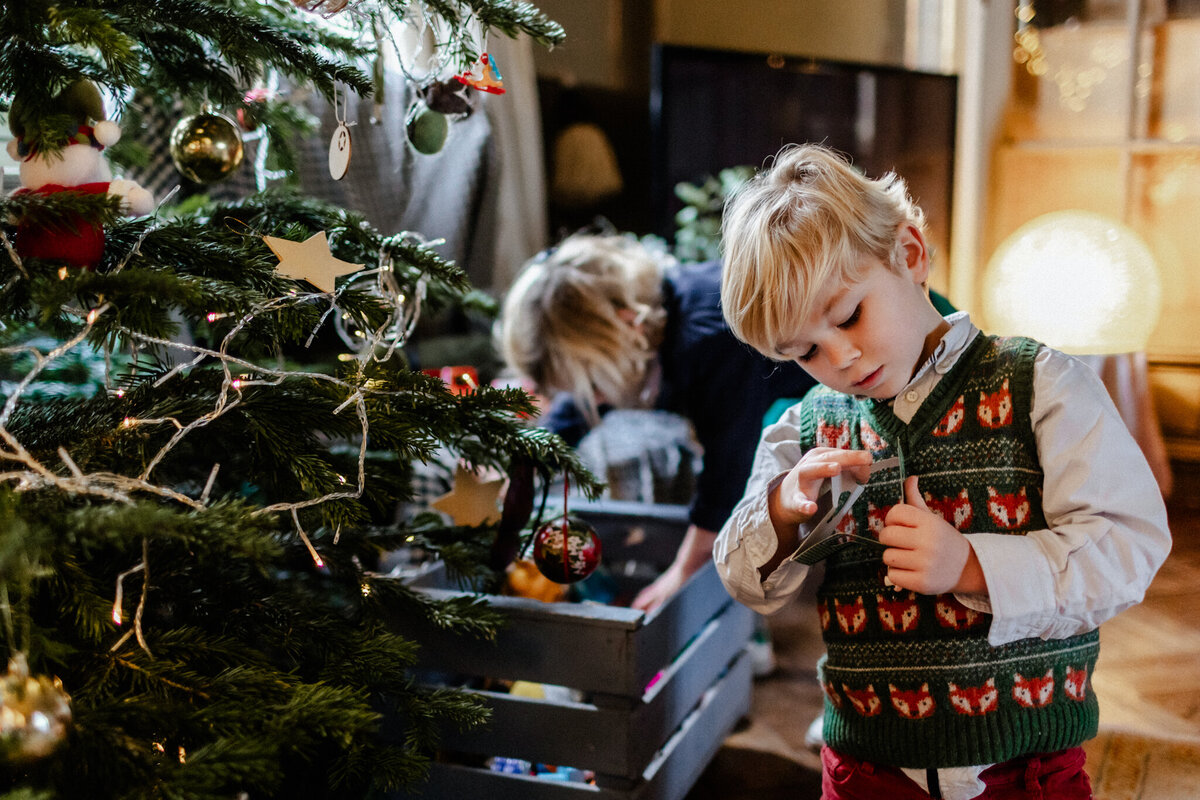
[601,74]
[918,34]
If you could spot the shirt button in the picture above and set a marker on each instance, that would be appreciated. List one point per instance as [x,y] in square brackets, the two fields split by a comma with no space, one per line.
[911,395]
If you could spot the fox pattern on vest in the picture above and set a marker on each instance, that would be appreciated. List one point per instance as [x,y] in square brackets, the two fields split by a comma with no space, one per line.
[910,679]
[975,701]
[996,409]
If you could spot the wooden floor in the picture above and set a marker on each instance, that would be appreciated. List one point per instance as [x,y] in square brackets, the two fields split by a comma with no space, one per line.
[1147,678]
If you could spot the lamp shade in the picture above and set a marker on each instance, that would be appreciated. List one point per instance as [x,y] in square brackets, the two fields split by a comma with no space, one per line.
[1077,281]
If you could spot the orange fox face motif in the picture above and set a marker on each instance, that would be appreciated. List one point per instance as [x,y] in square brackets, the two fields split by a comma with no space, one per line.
[870,439]
[898,614]
[975,701]
[915,704]
[1076,683]
[952,422]
[829,435]
[832,693]
[995,410]
[823,613]
[953,614]
[865,701]
[1008,511]
[1033,692]
[851,617]
[956,509]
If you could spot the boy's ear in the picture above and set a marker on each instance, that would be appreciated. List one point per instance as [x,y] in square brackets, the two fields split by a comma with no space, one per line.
[916,252]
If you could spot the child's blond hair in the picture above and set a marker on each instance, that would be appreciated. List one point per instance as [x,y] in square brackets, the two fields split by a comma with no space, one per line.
[561,324]
[809,219]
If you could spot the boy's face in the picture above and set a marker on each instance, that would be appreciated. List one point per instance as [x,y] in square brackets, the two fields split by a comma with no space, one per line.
[869,338]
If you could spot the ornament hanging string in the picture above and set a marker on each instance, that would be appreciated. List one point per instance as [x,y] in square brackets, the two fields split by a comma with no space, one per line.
[541,515]
[566,529]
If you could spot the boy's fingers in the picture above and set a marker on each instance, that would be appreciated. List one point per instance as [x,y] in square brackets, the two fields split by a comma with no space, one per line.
[912,493]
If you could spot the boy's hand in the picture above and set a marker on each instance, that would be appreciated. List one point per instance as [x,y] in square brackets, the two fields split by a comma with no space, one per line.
[925,553]
[793,501]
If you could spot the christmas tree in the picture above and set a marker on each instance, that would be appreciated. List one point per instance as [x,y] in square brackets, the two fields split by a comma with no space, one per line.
[195,488]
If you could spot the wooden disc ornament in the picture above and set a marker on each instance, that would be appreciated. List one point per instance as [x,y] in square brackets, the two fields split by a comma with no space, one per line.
[206,147]
[339,152]
[339,145]
[566,549]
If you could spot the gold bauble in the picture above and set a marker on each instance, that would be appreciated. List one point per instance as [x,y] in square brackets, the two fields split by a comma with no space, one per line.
[206,147]
[34,712]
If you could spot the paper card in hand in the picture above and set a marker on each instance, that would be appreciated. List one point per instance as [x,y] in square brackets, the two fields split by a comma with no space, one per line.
[834,501]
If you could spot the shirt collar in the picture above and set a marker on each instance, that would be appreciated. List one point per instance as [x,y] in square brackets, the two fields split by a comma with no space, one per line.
[962,332]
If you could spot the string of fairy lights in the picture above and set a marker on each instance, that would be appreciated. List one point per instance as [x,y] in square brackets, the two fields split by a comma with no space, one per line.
[26,473]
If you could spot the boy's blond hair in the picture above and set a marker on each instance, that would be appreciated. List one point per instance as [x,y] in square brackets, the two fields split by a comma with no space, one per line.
[561,324]
[809,219]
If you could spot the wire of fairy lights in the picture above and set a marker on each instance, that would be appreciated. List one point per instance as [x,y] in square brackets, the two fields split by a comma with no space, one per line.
[24,471]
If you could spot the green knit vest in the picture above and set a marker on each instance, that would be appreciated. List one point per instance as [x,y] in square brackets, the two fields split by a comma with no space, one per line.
[910,680]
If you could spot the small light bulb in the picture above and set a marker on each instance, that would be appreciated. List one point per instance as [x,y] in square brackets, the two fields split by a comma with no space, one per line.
[212,316]
[92,315]
[63,273]
[128,422]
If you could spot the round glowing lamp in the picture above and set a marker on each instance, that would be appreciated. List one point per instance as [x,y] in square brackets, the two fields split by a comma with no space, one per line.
[1077,281]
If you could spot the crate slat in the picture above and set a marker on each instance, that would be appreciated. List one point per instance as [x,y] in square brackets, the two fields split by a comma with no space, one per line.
[616,740]
[669,777]
[591,647]
[641,744]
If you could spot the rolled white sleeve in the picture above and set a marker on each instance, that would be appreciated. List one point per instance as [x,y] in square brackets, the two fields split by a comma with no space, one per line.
[748,539]
[1107,533]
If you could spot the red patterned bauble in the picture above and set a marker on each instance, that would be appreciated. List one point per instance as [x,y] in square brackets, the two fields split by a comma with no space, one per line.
[566,550]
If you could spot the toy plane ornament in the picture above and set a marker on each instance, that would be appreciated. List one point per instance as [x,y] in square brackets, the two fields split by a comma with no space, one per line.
[824,538]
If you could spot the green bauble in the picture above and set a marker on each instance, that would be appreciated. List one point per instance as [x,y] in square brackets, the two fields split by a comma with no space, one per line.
[427,130]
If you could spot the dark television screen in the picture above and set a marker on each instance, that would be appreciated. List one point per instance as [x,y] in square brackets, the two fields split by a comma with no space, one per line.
[714,109]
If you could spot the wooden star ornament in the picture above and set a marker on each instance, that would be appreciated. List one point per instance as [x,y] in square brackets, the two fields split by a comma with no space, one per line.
[310,260]
[473,500]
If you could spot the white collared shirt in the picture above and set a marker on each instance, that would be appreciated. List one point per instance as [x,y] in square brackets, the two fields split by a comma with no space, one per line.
[1107,524]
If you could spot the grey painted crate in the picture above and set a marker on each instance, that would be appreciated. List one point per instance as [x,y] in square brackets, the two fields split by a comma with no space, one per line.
[643,744]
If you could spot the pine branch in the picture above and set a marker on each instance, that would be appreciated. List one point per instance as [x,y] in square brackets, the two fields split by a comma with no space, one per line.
[508,17]
[188,542]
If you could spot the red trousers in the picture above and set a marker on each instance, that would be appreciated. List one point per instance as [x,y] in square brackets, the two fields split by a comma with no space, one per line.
[1048,776]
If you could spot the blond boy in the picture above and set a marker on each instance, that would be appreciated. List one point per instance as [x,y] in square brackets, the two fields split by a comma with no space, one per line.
[960,607]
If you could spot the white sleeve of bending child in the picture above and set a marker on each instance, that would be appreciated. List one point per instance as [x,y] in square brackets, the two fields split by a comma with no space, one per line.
[1107,529]
[747,539]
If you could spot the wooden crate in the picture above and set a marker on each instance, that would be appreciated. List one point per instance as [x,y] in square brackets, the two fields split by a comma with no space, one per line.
[642,744]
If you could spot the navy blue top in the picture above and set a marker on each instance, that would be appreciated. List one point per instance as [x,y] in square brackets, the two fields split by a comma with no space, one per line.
[719,383]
